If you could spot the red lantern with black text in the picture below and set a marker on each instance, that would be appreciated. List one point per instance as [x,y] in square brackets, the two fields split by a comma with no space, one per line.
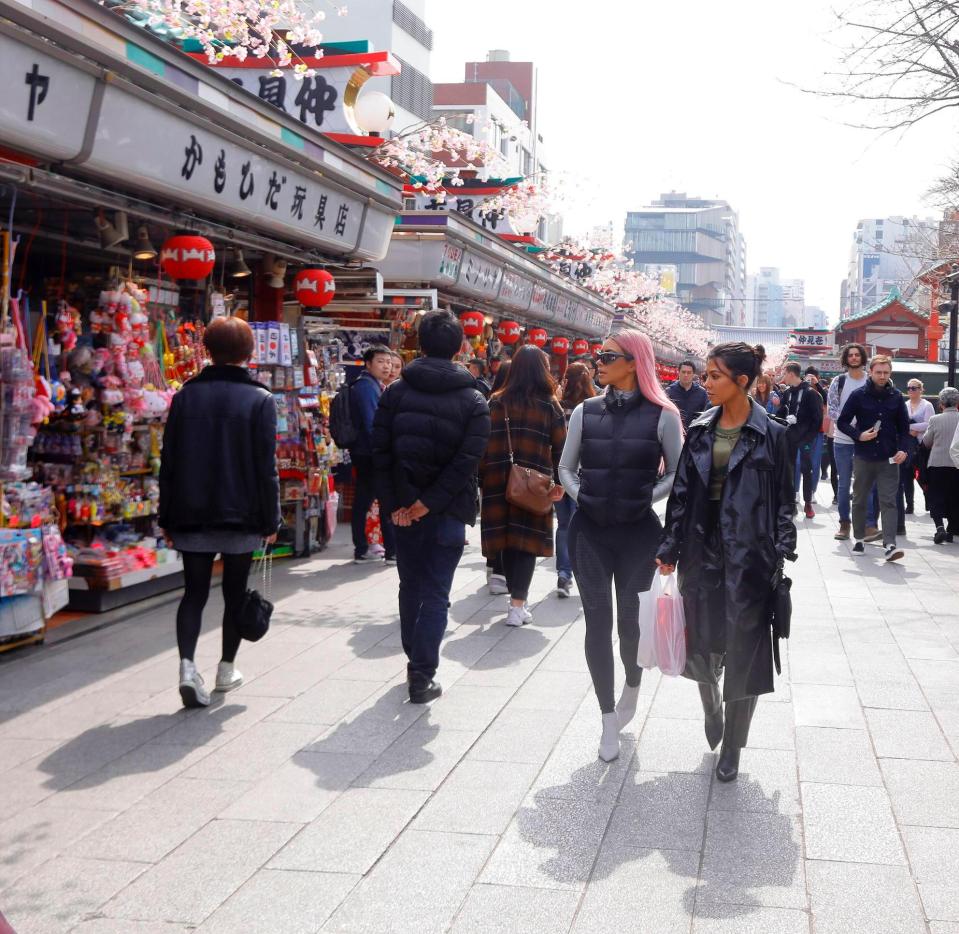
[538,337]
[314,288]
[187,256]
[508,332]
[595,348]
[560,346]
[580,347]
[473,323]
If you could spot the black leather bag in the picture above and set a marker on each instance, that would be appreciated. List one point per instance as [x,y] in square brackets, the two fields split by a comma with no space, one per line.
[256,610]
[781,615]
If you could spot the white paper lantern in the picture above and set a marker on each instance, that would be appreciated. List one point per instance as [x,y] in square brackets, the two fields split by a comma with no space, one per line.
[374,112]
[524,223]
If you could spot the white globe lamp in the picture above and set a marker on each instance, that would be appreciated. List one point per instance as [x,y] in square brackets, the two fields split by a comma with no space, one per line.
[524,222]
[374,112]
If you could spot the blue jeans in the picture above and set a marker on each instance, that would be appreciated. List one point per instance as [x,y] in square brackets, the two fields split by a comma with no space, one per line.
[427,554]
[815,458]
[565,510]
[844,454]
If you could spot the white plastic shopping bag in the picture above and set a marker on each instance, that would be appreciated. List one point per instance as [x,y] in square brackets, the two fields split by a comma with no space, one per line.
[646,655]
[669,635]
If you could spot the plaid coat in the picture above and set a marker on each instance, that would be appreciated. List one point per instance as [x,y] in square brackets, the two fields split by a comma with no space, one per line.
[538,433]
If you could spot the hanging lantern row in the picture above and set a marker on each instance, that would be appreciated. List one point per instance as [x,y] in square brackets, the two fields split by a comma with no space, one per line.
[187,256]
[537,337]
[508,332]
[314,288]
[473,323]
[560,346]
[580,347]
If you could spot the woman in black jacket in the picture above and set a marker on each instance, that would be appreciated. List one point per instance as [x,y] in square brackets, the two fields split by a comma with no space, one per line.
[219,492]
[729,527]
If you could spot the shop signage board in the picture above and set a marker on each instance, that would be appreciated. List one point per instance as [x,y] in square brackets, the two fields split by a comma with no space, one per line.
[47,102]
[517,291]
[544,303]
[450,263]
[474,206]
[480,276]
[821,341]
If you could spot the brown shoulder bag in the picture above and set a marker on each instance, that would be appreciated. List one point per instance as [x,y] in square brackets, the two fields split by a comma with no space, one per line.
[527,488]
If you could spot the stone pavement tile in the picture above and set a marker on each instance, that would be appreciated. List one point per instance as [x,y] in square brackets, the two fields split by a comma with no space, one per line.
[374,666]
[672,746]
[468,707]
[478,797]
[125,926]
[300,789]
[864,898]
[744,919]
[773,725]
[827,705]
[506,909]
[502,667]
[935,673]
[551,690]
[943,927]
[421,758]
[677,699]
[883,662]
[551,843]
[196,878]
[160,822]
[81,714]
[14,751]
[660,811]
[857,631]
[923,793]
[907,734]
[851,824]
[840,757]
[767,782]
[891,695]
[520,736]
[64,891]
[275,902]
[219,723]
[926,648]
[416,887]
[255,753]
[810,666]
[643,891]
[325,703]
[751,859]
[353,832]
[33,836]
[934,857]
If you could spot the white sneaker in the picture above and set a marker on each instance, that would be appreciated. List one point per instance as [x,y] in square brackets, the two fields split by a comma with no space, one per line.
[609,744]
[518,616]
[227,677]
[626,708]
[192,691]
[497,585]
[367,558]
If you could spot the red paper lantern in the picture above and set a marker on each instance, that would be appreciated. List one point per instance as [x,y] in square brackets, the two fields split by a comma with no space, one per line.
[560,346]
[595,348]
[508,332]
[473,323]
[187,256]
[314,288]
[580,347]
[538,337]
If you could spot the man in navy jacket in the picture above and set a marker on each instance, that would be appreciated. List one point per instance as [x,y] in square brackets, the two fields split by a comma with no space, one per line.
[364,398]
[689,396]
[876,418]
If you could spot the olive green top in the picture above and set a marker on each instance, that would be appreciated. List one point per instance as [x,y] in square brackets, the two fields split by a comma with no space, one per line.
[724,440]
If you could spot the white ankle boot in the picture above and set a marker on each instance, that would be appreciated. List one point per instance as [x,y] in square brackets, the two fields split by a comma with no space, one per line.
[609,744]
[626,708]
[228,677]
[192,691]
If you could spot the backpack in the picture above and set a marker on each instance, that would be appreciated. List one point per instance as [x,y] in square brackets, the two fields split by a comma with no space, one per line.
[341,419]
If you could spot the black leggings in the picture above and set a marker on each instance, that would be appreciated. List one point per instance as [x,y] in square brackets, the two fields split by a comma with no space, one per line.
[198,571]
[601,555]
[518,566]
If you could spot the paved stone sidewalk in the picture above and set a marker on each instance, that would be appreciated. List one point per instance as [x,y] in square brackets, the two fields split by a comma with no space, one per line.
[314,798]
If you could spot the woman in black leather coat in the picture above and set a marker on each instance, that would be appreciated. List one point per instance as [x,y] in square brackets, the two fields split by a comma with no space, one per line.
[729,527]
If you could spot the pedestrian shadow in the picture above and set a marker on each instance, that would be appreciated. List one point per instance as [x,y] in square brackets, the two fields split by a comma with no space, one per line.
[100,754]
[393,730]
[731,860]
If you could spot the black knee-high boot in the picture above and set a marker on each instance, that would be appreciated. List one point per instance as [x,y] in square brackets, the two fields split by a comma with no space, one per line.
[712,699]
[739,715]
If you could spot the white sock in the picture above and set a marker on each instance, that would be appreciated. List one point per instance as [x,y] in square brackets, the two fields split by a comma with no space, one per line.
[609,744]
[626,708]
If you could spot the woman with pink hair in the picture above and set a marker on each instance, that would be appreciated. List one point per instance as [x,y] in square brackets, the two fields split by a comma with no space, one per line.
[621,452]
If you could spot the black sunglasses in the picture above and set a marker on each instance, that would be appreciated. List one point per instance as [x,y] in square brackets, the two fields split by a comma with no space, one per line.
[606,357]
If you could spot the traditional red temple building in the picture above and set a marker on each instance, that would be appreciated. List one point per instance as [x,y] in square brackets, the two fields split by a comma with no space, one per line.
[894,327]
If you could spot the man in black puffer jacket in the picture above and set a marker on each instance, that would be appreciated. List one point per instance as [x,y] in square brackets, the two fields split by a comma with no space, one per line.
[429,433]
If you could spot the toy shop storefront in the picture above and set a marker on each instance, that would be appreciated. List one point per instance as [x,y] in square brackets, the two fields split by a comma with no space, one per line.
[114,257]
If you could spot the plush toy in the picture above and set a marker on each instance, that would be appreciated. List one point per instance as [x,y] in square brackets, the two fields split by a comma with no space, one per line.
[68,325]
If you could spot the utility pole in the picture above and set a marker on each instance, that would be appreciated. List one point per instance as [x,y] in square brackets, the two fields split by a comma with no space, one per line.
[953,280]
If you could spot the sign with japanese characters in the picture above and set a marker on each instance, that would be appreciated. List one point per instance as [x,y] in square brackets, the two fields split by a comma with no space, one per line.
[544,303]
[45,106]
[450,263]
[198,166]
[819,341]
[517,291]
[479,276]
[475,207]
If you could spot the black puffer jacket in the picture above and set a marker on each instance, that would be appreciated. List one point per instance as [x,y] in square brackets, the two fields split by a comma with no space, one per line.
[218,469]
[429,434]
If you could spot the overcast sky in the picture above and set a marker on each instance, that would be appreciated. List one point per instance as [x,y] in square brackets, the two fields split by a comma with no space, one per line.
[694,95]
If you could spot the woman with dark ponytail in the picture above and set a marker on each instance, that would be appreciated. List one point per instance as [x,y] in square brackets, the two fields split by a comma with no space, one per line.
[729,527]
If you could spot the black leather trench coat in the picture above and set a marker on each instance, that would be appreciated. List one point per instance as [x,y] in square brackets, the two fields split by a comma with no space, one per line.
[755,534]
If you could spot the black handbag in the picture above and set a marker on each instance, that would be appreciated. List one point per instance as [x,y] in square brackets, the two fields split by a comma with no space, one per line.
[256,610]
[781,613]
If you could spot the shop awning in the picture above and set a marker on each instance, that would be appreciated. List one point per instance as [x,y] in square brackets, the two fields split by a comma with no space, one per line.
[91,96]
[455,255]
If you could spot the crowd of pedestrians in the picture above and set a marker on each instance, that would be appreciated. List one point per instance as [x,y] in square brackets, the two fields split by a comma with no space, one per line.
[574,469]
